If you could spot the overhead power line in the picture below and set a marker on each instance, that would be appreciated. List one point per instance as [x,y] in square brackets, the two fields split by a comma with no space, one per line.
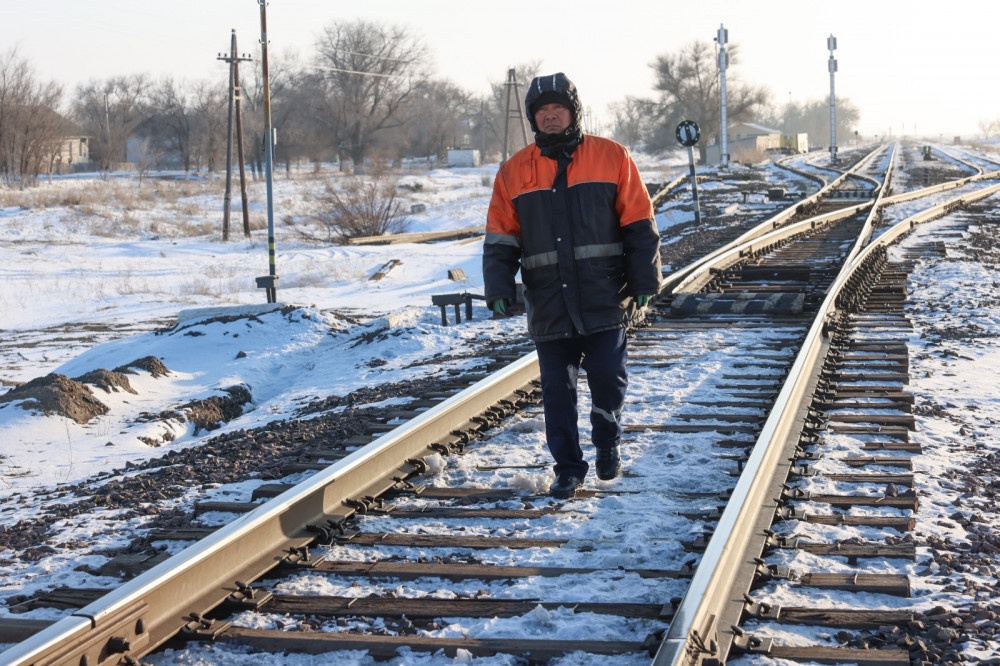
[353,71]
[369,55]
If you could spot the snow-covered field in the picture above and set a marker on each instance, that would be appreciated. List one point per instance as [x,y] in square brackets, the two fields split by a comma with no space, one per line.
[92,269]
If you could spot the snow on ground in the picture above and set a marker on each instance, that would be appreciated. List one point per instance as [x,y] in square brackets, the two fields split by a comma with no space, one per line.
[73,260]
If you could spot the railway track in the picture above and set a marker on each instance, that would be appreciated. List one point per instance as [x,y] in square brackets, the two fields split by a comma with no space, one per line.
[435,539]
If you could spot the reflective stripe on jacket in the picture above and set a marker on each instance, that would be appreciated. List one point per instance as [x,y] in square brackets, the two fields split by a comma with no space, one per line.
[582,234]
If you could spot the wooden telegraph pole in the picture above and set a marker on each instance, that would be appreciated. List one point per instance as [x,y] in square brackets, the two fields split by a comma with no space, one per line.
[235,95]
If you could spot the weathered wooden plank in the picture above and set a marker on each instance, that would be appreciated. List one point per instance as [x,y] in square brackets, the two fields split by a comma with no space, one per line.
[447,540]
[896,502]
[131,564]
[725,429]
[477,494]
[858,550]
[224,507]
[898,432]
[427,608]
[896,479]
[15,630]
[898,347]
[904,420]
[910,447]
[459,571]
[180,534]
[822,654]
[63,598]
[850,618]
[385,647]
[894,584]
[462,513]
[887,461]
[898,405]
[729,418]
[845,392]
[899,523]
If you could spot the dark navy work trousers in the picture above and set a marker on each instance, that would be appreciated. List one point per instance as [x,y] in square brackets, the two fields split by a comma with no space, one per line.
[603,357]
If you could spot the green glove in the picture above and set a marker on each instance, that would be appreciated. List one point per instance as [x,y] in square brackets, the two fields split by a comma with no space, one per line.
[499,306]
[643,300]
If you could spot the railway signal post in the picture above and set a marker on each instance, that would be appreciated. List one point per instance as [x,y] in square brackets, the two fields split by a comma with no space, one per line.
[831,44]
[687,134]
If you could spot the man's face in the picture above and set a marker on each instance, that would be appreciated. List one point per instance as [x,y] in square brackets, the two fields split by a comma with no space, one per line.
[553,118]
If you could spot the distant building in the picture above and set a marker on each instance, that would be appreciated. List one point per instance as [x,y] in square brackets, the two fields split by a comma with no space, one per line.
[795,143]
[463,157]
[753,140]
[74,154]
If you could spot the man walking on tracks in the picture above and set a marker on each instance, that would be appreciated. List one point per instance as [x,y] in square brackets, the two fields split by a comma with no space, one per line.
[571,212]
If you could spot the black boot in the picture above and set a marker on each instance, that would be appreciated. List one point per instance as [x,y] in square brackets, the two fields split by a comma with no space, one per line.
[565,486]
[608,462]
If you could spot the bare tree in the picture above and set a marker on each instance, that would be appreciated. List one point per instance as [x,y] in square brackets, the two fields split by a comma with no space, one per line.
[209,109]
[298,114]
[632,120]
[494,116]
[361,206]
[812,118]
[989,127]
[688,83]
[369,71]
[111,111]
[31,129]
[444,116]
[170,124]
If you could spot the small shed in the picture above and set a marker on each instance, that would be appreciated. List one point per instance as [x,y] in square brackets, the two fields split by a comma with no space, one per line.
[463,157]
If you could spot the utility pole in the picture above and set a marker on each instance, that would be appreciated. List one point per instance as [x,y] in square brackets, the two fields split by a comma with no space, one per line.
[268,282]
[513,113]
[235,93]
[831,44]
[722,37]
[107,124]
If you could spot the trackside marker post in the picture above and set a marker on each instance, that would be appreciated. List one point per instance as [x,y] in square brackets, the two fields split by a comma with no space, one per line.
[269,282]
[687,134]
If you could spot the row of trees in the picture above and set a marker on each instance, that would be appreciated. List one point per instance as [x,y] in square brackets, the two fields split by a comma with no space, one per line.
[30,126]
[366,91]
[688,88]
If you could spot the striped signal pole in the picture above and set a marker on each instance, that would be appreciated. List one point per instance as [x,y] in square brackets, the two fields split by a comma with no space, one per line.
[268,282]
[831,44]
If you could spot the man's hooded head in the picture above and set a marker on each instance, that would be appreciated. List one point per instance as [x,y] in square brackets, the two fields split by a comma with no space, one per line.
[554,88]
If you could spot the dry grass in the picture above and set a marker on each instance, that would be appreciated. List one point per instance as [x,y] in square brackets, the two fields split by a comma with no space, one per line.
[179,208]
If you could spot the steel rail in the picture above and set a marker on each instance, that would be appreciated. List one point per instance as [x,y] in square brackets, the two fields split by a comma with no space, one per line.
[671,282]
[698,278]
[145,612]
[940,187]
[702,625]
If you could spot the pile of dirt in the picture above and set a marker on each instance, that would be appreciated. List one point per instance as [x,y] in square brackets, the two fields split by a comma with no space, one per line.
[150,364]
[56,394]
[60,395]
[211,413]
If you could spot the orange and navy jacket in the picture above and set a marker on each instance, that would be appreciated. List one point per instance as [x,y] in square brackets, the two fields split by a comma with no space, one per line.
[583,235]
